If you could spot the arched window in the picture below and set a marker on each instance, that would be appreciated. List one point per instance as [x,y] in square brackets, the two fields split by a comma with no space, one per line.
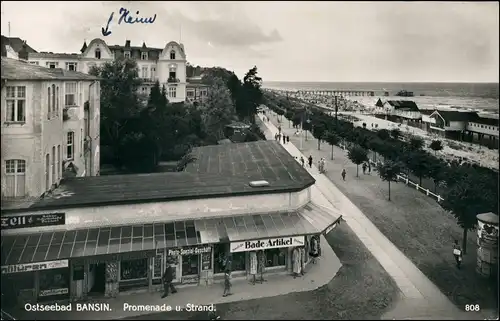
[98,53]
[53,165]
[172,54]
[53,100]
[57,101]
[47,172]
[48,102]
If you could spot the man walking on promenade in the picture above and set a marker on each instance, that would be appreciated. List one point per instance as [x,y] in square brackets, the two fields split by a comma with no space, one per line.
[457,252]
[227,283]
[343,174]
[284,139]
[168,277]
[302,161]
[364,168]
[287,138]
[310,159]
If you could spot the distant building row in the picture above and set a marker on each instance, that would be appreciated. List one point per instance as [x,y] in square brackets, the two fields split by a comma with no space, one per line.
[166,65]
[464,125]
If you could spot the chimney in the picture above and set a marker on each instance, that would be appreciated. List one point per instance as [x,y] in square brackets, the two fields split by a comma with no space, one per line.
[23,53]
[127,43]
[144,45]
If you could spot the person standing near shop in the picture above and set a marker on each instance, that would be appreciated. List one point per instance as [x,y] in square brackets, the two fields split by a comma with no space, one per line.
[227,283]
[284,139]
[287,139]
[168,277]
[302,161]
[296,264]
[457,253]
[302,260]
[310,159]
[314,253]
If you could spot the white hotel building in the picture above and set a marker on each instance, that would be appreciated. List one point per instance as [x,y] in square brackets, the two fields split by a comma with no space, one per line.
[167,65]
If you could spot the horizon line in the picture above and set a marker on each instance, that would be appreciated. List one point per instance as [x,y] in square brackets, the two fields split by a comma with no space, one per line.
[388,82]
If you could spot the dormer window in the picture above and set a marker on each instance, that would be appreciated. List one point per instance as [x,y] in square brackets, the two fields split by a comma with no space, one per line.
[126,54]
[51,64]
[98,53]
[172,54]
[144,56]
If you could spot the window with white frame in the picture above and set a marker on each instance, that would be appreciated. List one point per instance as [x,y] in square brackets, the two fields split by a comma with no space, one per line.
[145,72]
[126,54]
[71,66]
[16,104]
[172,92]
[15,178]
[52,64]
[34,63]
[70,140]
[53,165]
[153,72]
[70,94]
[58,164]
[144,55]
[47,172]
[98,53]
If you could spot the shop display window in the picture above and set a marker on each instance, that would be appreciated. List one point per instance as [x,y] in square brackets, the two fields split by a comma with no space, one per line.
[275,257]
[222,257]
[54,282]
[190,265]
[133,269]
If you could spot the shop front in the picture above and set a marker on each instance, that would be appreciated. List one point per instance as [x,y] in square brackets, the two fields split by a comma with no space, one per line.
[35,282]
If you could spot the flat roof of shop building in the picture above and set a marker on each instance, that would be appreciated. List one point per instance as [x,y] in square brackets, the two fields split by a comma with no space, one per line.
[218,171]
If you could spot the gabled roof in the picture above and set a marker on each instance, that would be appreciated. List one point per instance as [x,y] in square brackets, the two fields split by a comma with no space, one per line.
[453,115]
[408,105]
[379,103]
[13,69]
[486,121]
[17,44]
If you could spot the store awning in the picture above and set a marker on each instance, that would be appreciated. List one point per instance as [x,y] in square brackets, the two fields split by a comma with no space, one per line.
[94,242]
[311,219]
[50,246]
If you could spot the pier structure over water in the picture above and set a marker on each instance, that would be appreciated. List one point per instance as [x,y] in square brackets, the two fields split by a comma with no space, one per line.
[326,93]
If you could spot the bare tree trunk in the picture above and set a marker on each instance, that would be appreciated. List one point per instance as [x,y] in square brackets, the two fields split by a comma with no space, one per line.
[332,153]
[357,170]
[464,242]
[319,142]
[389,190]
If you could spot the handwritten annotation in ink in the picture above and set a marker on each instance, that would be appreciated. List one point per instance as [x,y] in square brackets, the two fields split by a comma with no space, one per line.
[126,18]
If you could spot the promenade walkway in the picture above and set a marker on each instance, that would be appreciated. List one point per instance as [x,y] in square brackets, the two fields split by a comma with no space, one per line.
[420,297]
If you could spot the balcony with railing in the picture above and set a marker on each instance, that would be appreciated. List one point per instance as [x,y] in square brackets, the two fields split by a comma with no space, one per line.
[173,80]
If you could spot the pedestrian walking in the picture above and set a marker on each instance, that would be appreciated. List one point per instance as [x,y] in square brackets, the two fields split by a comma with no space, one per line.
[320,168]
[310,159]
[168,277]
[302,161]
[287,138]
[364,168]
[323,165]
[227,283]
[369,167]
[457,252]
[276,136]
[279,137]
[284,139]
[279,129]
[343,174]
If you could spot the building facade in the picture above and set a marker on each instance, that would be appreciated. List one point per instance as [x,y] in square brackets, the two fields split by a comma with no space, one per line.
[101,236]
[166,65]
[50,123]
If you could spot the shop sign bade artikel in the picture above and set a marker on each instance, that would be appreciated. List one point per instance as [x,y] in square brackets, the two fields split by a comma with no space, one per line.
[256,245]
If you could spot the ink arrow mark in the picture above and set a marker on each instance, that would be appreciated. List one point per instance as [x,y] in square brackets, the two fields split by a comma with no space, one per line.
[106,32]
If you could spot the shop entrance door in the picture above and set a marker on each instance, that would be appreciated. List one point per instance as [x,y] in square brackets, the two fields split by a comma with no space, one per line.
[96,281]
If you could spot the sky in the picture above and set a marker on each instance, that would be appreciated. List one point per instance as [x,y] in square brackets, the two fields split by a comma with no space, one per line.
[287,41]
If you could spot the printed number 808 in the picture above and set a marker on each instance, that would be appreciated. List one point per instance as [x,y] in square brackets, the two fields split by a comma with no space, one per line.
[472,308]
